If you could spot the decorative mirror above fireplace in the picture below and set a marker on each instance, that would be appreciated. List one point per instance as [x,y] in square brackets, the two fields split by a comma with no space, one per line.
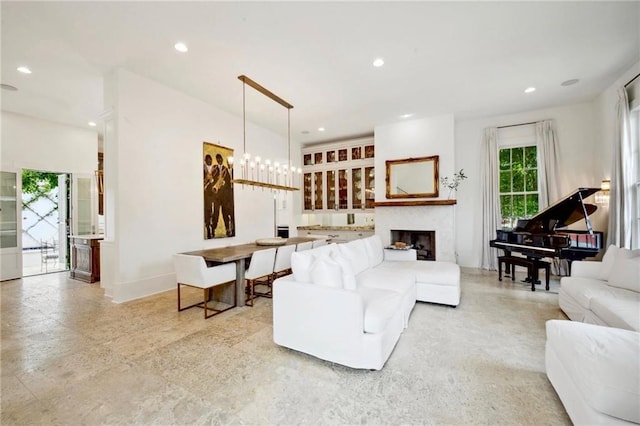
[412,177]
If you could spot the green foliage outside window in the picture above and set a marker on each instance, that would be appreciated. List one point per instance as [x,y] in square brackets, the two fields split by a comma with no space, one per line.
[518,184]
[37,182]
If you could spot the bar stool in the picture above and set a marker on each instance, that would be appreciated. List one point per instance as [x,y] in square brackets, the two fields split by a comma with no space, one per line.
[192,271]
[261,266]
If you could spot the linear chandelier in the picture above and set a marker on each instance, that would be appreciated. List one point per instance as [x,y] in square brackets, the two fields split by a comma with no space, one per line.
[263,173]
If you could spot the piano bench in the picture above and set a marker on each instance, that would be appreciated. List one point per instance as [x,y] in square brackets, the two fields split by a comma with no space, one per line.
[532,265]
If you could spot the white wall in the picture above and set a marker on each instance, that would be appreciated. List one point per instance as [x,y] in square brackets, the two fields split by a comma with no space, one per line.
[158,200]
[585,131]
[31,143]
[415,138]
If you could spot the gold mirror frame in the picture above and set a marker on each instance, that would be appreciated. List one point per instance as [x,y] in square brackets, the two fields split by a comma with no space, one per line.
[413,177]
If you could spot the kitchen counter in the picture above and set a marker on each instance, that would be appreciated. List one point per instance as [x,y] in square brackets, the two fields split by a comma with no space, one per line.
[336,228]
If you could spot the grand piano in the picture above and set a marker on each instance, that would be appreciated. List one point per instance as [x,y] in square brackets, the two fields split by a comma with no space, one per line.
[541,236]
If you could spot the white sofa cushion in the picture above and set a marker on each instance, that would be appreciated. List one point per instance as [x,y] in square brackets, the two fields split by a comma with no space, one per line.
[356,253]
[397,281]
[375,250]
[326,271]
[619,313]
[439,273]
[609,260]
[582,290]
[603,364]
[626,273]
[379,306]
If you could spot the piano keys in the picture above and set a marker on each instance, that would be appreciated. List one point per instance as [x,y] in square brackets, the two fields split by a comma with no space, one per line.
[541,236]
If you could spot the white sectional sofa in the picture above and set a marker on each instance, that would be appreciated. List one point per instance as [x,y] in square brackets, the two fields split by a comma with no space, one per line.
[604,293]
[347,304]
[593,361]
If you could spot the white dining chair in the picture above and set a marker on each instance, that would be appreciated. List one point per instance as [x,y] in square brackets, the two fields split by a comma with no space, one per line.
[319,242]
[282,265]
[304,246]
[192,271]
[259,273]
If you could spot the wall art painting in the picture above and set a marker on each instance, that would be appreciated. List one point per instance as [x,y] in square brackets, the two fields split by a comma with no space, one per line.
[219,217]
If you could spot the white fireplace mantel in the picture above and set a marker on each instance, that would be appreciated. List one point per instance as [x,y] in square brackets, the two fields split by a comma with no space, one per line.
[434,217]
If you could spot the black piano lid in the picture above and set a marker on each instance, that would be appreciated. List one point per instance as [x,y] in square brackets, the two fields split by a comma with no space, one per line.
[562,213]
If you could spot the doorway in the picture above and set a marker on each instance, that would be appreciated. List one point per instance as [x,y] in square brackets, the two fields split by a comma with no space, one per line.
[45,222]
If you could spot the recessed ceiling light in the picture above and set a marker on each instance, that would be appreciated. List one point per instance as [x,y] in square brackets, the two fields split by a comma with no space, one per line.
[92,124]
[321,129]
[181,47]
[24,70]
[9,87]
[378,62]
[529,90]
[569,82]
[406,115]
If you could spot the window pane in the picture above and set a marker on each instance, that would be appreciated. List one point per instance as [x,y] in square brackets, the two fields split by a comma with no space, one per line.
[505,159]
[531,180]
[518,178]
[532,204]
[505,181]
[517,156]
[505,205]
[530,157]
[518,206]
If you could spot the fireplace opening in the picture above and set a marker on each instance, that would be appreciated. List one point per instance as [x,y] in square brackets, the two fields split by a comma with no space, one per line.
[423,241]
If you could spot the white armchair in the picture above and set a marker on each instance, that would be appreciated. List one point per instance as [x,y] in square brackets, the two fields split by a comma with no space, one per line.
[192,271]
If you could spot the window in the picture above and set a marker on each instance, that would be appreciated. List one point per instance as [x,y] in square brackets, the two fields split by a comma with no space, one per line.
[518,184]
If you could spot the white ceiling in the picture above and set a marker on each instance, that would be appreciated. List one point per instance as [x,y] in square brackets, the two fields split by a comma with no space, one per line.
[471,59]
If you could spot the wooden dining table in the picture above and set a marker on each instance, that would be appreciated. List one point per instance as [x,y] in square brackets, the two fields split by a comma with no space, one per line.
[239,254]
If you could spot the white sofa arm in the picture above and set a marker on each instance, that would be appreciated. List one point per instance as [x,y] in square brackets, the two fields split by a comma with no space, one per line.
[317,319]
[585,268]
[390,254]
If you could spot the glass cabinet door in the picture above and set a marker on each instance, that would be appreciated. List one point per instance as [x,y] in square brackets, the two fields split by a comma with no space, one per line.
[306,188]
[331,156]
[369,187]
[331,189]
[318,190]
[342,154]
[356,188]
[343,201]
[8,210]
[307,161]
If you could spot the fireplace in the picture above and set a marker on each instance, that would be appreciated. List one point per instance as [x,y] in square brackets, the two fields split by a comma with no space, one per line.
[423,241]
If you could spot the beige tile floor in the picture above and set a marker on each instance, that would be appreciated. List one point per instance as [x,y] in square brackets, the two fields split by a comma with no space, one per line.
[69,356]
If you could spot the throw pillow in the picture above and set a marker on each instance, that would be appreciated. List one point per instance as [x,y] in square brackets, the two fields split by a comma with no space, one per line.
[348,276]
[375,250]
[356,253]
[626,273]
[301,262]
[326,271]
[607,262]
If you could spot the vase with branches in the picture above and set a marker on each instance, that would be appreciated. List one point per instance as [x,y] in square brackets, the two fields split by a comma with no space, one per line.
[452,183]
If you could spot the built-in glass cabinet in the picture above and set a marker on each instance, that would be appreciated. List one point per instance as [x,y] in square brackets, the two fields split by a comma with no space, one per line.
[339,176]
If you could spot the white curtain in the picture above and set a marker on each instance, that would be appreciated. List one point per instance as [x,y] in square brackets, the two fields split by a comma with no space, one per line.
[548,169]
[491,217]
[621,193]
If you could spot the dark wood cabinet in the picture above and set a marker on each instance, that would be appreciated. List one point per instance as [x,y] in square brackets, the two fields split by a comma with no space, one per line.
[85,258]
